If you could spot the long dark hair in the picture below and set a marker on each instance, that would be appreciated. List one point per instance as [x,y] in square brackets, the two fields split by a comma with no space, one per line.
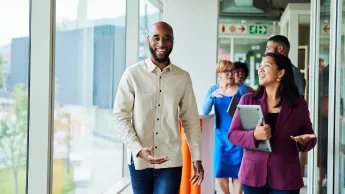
[287,90]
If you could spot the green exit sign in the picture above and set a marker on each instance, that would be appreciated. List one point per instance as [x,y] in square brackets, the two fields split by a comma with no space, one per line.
[257,29]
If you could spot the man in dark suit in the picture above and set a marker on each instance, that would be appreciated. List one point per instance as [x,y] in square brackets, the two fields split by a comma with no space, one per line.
[280,44]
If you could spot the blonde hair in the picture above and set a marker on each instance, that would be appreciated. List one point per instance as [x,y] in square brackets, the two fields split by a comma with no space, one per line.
[223,65]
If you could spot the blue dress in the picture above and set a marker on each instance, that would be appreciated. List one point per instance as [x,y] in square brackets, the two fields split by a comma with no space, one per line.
[227,158]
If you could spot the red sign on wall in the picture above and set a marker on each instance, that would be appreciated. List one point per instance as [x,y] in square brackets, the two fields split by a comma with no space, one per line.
[233,28]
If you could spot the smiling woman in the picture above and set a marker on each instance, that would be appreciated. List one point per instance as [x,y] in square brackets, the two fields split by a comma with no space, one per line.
[287,126]
[226,155]
[276,72]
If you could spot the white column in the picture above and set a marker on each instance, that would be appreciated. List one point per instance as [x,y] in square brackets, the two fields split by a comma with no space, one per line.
[293,27]
[82,14]
[157,3]
[132,32]
[87,53]
[195,25]
[232,49]
[41,97]
[132,53]
[338,159]
[313,170]
[334,96]
[195,50]
[283,29]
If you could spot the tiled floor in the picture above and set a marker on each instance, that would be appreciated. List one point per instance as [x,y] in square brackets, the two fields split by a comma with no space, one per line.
[303,190]
[129,190]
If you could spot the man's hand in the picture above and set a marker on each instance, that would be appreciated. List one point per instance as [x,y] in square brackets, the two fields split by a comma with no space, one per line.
[198,176]
[303,140]
[146,154]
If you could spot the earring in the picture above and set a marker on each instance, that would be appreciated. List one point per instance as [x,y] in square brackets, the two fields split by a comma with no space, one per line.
[278,79]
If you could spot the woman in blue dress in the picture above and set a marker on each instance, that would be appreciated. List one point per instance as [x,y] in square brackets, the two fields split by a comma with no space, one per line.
[226,157]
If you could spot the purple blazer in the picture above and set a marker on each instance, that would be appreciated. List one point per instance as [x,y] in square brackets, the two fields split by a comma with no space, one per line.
[282,166]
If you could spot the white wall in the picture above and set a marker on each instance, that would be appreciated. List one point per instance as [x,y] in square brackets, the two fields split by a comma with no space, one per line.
[290,24]
[195,25]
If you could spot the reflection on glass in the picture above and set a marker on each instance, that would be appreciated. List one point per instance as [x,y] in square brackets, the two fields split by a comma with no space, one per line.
[149,14]
[89,62]
[322,100]
[14,71]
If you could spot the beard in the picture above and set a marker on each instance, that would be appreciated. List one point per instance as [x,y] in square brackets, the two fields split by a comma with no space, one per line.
[160,60]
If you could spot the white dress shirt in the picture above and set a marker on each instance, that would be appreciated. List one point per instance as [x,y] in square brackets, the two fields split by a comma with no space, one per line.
[148,105]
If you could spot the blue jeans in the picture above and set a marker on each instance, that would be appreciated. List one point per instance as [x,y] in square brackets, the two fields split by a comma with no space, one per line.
[155,181]
[266,190]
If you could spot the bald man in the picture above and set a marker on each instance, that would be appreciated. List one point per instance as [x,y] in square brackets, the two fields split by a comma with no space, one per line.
[153,95]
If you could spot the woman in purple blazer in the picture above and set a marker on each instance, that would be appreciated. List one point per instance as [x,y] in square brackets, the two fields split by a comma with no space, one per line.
[288,128]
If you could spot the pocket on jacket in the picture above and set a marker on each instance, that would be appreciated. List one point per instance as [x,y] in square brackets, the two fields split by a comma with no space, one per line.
[284,173]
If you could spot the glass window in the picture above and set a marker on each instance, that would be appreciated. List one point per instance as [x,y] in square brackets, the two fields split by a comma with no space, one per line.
[341,136]
[322,99]
[303,66]
[149,14]
[224,47]
[14,73]
[224,50]
[89,62]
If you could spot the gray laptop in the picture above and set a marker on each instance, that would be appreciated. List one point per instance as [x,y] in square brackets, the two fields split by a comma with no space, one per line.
[250,116]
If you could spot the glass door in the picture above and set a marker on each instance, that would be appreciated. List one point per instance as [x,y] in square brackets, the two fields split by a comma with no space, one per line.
[339,181]
[322,67]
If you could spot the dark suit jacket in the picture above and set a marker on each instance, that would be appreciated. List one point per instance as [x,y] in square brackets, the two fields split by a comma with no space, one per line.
[282,165]
[299,80]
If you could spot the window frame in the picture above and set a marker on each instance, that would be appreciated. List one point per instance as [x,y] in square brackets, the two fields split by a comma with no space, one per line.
[41,92]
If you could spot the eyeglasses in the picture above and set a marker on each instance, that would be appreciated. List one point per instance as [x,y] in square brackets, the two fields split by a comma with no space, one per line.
[232,71]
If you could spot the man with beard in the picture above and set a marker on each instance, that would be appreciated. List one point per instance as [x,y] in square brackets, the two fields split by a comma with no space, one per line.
[280,44]
[152,97]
